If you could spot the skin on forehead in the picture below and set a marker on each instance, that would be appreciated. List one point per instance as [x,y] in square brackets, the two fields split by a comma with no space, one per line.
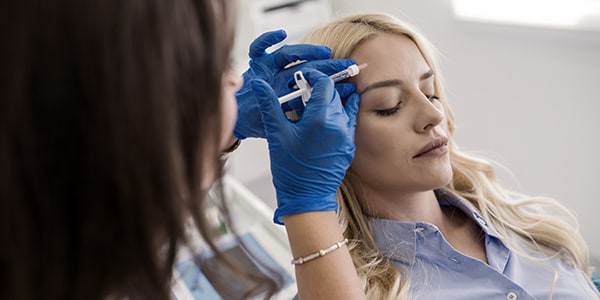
[406,60]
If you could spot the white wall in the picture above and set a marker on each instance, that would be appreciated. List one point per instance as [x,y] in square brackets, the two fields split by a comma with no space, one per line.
[527,98]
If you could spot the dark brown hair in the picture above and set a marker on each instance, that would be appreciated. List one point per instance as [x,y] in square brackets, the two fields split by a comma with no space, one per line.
[109,109]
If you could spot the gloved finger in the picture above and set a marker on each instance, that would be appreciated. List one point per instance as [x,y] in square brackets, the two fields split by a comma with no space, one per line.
[351,108]
[329,66]
[286,106]
[270,109]
[322,95]
[291,53]
[345,89]
[264,41]
[294,104]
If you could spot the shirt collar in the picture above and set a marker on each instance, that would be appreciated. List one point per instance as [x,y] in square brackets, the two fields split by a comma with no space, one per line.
[397,240]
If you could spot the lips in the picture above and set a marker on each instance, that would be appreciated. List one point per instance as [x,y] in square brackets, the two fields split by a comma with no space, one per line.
[437,146]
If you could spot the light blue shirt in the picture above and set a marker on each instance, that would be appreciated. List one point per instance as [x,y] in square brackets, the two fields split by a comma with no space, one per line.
[438,271]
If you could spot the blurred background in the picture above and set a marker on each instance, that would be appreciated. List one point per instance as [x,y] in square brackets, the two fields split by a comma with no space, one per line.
[522,78]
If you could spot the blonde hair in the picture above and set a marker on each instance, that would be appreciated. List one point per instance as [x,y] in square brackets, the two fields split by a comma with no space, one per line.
[521,224]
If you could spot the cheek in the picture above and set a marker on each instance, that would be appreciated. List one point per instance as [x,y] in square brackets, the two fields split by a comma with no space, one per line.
[374,144]
[384,145]
[229,112]
[365,141]
[231,83]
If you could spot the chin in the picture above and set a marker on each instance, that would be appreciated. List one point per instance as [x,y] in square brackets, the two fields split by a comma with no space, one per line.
[445,178]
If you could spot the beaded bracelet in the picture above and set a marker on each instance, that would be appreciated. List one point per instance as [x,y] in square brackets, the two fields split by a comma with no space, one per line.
[322,252]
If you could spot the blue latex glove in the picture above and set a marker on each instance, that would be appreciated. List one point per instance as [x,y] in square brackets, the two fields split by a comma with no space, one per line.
[309,157]
[344,89]
[270,68]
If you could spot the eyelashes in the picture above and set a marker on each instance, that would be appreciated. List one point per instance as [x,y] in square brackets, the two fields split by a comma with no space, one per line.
[390,111]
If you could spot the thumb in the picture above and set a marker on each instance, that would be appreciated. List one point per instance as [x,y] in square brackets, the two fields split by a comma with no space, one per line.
[264,41]
[271,114]
[323,93]
[351,109]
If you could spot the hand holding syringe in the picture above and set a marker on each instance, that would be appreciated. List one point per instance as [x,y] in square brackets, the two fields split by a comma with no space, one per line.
[305,89]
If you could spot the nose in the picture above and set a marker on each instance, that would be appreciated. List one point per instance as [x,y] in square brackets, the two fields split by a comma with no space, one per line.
[428,114]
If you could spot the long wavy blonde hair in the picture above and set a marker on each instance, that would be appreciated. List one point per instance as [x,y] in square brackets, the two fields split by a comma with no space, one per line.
[549,228]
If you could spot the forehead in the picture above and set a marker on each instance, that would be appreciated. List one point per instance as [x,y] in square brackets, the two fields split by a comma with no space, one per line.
[389,56]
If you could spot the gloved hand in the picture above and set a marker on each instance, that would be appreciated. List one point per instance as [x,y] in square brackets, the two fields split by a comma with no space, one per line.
[343,89]
[270,68]
[309,157]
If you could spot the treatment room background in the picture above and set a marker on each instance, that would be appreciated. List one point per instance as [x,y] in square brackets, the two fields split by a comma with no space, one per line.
[525,96]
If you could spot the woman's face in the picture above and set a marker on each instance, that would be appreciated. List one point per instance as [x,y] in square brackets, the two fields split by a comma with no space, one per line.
[401,135]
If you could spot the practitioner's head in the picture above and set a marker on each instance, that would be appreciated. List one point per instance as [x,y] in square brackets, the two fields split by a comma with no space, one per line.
[113,116]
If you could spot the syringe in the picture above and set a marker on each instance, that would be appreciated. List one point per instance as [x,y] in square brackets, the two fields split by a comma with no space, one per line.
[351,71]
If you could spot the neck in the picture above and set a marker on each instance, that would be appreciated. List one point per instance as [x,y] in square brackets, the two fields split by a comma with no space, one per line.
[405,207]
[462,233]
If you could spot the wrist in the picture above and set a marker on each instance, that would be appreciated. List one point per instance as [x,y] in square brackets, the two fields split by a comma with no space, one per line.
[293,204]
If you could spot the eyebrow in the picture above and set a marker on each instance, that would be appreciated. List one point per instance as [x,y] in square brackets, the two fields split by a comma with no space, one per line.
[393,82]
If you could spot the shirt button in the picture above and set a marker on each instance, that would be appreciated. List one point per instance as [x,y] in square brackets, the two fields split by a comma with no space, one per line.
[511,296]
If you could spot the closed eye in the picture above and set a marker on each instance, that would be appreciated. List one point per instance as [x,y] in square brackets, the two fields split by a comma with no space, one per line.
[389,111]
